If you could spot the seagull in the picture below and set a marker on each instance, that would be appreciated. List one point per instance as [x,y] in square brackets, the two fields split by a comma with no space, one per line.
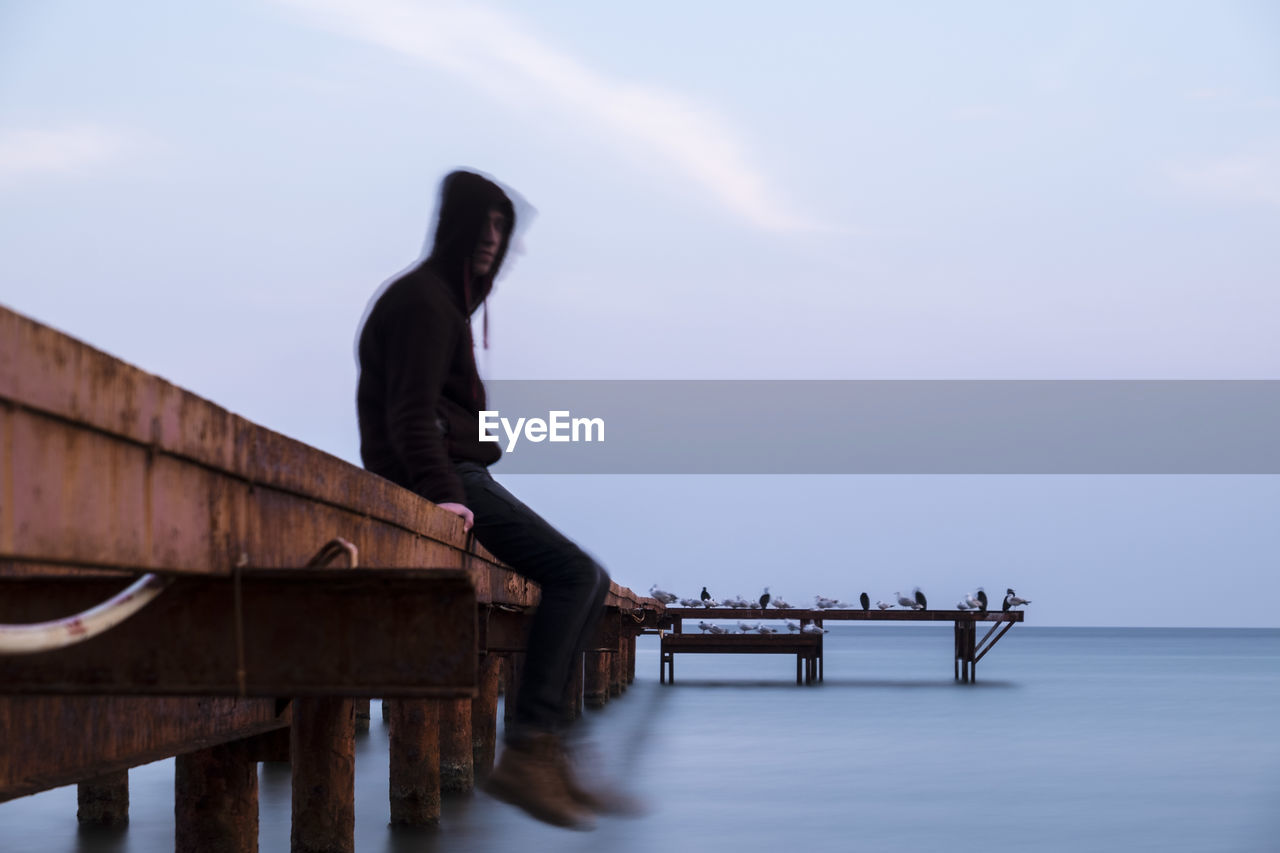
[706,596]
[982,597]
[705,625]
[961,605]
[865,601]
[907,602]
[661,594]
[710,602]
[690,602]
[1012,600]
[824,603]
[883,605]
[765,629]
[779,604]
[716,629]
[921,600]
[814,629]
[974,603]
[764,599]
[792,626]
[747,627]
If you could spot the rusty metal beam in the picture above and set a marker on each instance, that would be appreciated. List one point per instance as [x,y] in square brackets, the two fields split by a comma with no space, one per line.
[51,741]
[331,632]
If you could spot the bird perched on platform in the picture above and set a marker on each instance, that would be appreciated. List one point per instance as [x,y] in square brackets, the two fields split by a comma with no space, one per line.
[982,598]
[748,627]
[824,603]
[962,605]
[865,601]
[792,626]
[710,602]
[765,629]
[737,603]
[779,604]
[972,603]
[690,602]
[883,605]
[716,629]
[764,599]
[907,602]
[1011,600]
[706,596]
[705,625]
[661,594]
[921,600]
[814,629]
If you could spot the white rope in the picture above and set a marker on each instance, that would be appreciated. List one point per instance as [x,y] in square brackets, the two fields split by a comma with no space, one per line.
[60,633]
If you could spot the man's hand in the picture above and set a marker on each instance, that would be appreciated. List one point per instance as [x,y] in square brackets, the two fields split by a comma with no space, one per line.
[460,510]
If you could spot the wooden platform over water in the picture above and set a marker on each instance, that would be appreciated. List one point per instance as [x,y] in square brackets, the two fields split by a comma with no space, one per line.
[967,649]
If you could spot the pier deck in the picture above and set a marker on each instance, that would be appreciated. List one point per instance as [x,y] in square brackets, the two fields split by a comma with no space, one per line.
[967,649]
[263,635]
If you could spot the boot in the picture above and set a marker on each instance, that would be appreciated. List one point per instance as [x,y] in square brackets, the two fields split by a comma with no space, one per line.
[600,797]
[528,776]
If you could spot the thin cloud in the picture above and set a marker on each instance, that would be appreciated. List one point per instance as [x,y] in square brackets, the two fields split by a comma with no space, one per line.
[30,152]
[1249,178]
[492,52]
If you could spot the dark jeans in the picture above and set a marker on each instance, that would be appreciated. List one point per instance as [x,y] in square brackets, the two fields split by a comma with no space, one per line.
[573,592]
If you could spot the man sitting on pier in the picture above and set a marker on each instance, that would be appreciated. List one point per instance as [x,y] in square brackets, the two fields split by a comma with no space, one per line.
[419,399]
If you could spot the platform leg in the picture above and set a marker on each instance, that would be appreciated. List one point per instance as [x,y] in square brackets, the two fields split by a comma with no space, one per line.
[215,803]
[322,749]
[484,716]
[415,761]
[104,800]
[457,774]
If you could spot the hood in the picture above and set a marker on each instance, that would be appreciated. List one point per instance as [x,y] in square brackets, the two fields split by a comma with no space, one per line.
[465,201]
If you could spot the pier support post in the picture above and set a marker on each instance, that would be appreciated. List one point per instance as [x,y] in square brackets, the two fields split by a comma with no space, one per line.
[615,669]
[599,668]
[415,761]
[631,658]
[573,705]
[362,715]
[512,665]
[322,749]
[457,774]
[215,802]
[104,800]
[484,715]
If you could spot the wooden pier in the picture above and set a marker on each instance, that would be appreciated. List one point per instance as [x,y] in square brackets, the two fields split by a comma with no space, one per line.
[284,586]
[967,649]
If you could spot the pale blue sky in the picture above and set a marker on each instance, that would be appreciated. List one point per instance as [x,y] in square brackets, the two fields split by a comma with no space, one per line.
[724,190]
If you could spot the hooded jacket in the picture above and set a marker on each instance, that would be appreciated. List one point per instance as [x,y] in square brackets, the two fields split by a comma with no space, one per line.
[419,393]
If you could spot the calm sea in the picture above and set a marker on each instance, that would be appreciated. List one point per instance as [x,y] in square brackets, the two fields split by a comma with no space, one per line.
[1072,740]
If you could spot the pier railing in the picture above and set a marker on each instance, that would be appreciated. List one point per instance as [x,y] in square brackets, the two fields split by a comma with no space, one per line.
[263,634]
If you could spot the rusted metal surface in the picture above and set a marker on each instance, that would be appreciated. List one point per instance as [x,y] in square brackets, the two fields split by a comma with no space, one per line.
[216,800]
[104,800]
[50,741]
[631,658]
[359,633]
[322,750]
[415,761]
[362,715]
[456,772]
[484,715]
[573,706]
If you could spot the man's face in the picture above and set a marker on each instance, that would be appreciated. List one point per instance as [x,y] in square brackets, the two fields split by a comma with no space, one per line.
[491,235]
